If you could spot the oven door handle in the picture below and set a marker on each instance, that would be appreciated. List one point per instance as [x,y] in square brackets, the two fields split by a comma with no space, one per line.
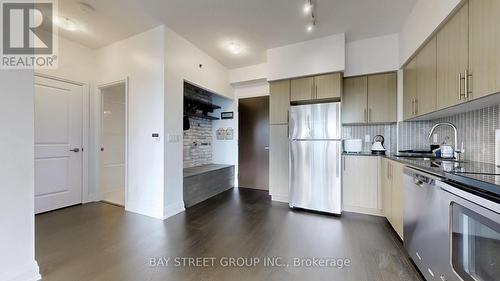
[473,199]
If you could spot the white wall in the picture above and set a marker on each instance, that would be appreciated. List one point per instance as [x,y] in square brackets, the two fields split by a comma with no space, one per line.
[76,62]
[141,59]
[423,20]
[372,55]
[226,151]
[312,57]
[182,61]
[249,73]
[17,240]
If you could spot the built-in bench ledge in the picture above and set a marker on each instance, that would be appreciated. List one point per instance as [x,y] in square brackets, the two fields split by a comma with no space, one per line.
[203,182]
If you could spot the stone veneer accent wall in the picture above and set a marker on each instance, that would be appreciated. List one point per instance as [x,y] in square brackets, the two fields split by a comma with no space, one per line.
[198,139]
[198,143]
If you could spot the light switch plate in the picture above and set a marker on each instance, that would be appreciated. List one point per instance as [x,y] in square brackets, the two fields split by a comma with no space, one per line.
[173,138]
[367,138]
[435,138]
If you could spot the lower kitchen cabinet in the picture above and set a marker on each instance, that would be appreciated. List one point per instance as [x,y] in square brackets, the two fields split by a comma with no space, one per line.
[278,162]
[392,192]
[361,189]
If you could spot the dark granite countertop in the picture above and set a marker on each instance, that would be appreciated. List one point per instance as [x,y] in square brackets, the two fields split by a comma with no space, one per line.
[193,171]
[363,153]
[483,177]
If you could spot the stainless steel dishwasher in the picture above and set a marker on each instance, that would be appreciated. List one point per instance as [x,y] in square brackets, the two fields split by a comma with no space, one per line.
[426,225]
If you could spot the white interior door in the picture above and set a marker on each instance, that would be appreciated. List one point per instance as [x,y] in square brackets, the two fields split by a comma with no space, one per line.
[58,144]
[113,144]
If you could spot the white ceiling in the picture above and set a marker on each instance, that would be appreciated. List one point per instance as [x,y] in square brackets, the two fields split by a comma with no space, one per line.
[111,21]
[257,24]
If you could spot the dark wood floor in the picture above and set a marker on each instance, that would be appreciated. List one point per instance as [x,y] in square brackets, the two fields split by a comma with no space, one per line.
[99,241]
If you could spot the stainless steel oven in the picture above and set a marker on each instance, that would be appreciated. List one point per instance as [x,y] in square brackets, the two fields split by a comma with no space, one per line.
[474,235]
[450,233]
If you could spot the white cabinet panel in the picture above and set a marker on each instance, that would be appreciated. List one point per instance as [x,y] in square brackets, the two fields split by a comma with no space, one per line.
[361,187]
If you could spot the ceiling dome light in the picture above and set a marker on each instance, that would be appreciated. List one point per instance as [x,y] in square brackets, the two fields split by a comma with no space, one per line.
[234,48]
[65,23]
[308,7]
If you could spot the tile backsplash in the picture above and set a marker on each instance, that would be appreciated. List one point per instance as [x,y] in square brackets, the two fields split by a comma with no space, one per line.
[360,131]
[476,129]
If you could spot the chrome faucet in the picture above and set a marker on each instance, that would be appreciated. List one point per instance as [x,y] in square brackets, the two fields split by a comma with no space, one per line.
[456,151]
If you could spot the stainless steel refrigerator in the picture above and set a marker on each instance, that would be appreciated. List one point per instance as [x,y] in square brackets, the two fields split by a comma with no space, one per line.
[315,157]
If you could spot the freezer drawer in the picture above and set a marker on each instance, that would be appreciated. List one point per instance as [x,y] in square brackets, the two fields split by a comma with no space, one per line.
[315,175]
[315,121]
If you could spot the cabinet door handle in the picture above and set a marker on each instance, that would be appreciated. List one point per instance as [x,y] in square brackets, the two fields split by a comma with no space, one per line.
[412,106]
[369,115]
[416,106]
[343,164]
[460,86]
[366,116]
[466,84]
[316,91]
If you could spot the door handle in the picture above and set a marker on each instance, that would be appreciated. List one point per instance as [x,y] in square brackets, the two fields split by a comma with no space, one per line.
[75,150]
[266,147]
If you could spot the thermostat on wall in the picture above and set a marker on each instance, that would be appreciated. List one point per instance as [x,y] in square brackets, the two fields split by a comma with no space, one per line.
[156,137]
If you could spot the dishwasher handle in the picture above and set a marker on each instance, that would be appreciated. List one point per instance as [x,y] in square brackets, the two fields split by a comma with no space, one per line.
[418,182]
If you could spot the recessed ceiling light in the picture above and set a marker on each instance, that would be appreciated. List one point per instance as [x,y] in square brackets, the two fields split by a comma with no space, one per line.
[234,48]
[65,23]
[308,8]
[310,27]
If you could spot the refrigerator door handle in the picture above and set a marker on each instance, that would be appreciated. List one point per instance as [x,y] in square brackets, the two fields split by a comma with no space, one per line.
[308,121]
[339,163]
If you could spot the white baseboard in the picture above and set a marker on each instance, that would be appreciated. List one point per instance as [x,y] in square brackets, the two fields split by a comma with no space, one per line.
[361,210]
[279,198]
[149,212]
[173,209]
[27,272]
